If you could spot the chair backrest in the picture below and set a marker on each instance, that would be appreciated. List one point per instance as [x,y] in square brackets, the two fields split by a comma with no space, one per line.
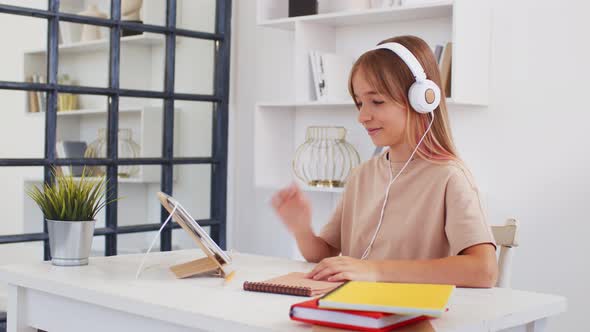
[506,238]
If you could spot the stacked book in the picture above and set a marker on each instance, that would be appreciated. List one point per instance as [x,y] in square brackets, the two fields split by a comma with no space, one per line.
[36,99]
[374,306]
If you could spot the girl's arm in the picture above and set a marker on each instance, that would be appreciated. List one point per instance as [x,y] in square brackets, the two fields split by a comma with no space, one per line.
[294,209]
[312,247]
[475,266]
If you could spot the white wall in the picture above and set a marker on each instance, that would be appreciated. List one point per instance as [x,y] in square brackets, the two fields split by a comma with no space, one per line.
[528,149]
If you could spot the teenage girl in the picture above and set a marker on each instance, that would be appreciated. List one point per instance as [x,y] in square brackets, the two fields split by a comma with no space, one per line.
[413,213]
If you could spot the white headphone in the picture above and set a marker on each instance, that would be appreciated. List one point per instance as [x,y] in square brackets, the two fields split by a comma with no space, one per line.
[424,96]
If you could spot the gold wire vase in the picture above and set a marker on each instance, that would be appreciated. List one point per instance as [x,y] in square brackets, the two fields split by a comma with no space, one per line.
[325,158]
[127,148]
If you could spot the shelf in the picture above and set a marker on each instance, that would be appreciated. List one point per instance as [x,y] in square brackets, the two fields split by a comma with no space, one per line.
[102,45]
[82,112]
[325,105]
[310,104]
[443,8]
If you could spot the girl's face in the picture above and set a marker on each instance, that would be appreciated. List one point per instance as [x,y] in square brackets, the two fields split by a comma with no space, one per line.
[384,119]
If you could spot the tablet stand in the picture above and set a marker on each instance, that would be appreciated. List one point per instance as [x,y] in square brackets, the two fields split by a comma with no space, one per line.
[206,264]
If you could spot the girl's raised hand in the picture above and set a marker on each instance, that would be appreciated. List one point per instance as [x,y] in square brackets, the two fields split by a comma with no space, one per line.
[293,208]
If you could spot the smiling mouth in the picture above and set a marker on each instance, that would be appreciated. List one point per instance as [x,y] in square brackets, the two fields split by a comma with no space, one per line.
[373,131]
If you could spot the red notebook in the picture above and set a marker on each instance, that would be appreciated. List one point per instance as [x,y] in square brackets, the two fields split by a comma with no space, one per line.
[309,312]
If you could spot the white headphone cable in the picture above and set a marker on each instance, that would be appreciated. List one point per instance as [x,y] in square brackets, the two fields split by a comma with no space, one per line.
[391,181]
[154,241]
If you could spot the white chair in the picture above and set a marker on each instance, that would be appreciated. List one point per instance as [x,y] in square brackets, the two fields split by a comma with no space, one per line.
[506,239]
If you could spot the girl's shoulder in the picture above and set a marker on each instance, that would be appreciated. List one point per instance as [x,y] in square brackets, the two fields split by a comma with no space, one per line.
[452,171]
[445,171]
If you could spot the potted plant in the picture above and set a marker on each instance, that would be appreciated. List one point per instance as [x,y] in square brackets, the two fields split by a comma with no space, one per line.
[69,206]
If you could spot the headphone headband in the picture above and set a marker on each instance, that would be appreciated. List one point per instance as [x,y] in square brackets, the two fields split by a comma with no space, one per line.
[407,56]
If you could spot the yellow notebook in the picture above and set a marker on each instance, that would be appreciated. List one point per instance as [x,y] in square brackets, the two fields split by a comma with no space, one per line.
[395,298]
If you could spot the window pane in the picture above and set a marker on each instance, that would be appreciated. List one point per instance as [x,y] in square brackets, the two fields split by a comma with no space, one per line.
[22,214]
[203,9]
[192,188]
[195,59]
[22,133]
[152,12]
[142,62]
[193,128]
[83,62]
[138,203]
[193,191]
[193,15]
[81,130]
[93,8]
[23,54]
[140,127]
[74,37]
[37,4]
[31,215]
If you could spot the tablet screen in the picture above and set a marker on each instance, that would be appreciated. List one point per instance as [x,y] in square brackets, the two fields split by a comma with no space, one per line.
[182,215]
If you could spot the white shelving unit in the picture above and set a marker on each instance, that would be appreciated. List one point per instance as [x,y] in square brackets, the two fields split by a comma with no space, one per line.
[280,124]
[103,45]
[275,15]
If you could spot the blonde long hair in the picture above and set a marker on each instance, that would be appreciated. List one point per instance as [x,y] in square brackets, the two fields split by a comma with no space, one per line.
[391,77]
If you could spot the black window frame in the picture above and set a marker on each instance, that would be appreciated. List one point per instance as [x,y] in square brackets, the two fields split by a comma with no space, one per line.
[219,100]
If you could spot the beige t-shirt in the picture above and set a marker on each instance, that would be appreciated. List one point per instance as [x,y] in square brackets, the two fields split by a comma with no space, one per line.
[433,211]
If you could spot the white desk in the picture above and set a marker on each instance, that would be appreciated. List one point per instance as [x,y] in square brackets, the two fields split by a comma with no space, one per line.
[104,296]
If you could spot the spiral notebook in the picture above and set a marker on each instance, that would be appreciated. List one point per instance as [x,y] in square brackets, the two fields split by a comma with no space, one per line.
[294,283]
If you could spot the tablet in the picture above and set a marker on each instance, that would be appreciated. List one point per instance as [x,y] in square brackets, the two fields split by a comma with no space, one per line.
[188,223]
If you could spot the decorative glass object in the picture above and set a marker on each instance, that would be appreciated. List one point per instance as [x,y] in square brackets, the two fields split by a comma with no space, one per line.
[127,148]
[325,158]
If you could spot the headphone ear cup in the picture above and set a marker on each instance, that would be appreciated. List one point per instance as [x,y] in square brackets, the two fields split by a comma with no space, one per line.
[424,96]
